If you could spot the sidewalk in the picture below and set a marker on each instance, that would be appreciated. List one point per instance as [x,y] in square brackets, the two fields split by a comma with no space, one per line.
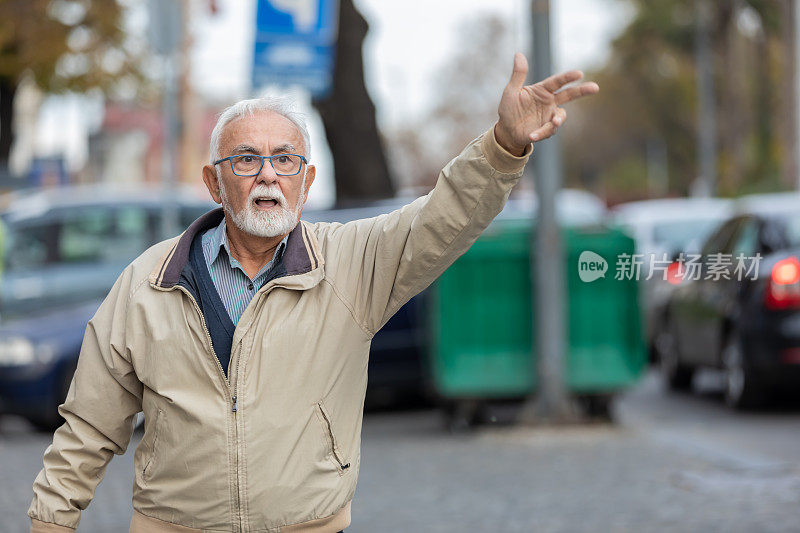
[674,463]
[595,478]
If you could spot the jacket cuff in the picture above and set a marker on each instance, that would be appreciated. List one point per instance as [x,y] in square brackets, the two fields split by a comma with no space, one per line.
[37,526]
[500,158]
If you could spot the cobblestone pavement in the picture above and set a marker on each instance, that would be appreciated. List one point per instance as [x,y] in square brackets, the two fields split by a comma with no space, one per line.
[672,463]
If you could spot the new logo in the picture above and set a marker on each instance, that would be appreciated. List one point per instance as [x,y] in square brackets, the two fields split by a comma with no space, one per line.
[591,266]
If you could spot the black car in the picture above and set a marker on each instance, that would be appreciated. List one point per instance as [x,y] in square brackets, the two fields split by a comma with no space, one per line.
[747,325]
[396,371]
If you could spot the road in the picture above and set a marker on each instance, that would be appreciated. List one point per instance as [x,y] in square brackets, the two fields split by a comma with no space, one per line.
[670,463]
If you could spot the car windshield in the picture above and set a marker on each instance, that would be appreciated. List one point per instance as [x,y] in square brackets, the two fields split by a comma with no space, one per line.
[70,255]
[680,235]
[92,235]
[789,223]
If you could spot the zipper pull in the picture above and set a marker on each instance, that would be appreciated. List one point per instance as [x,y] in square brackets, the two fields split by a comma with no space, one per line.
[234,404]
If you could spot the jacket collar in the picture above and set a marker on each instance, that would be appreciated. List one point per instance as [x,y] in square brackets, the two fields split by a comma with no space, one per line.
[301,255]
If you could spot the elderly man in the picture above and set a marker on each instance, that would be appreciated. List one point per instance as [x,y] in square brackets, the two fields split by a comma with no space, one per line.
[245,339]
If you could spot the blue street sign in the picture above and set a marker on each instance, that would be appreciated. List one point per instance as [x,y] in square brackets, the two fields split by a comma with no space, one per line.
[295,44]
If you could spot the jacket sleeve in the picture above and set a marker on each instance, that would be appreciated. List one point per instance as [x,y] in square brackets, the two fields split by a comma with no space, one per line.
[380,263]
[103,399]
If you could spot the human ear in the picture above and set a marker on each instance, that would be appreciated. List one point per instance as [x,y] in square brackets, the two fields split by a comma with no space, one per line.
[311,172]
[212,182]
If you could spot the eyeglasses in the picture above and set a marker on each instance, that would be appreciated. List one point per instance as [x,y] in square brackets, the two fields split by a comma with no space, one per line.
[248,165]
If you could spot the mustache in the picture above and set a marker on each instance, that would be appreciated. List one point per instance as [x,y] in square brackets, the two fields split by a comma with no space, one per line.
[265,191]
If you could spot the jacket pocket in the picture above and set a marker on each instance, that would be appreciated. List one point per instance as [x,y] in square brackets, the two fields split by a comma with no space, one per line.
[148,467]
[333,443]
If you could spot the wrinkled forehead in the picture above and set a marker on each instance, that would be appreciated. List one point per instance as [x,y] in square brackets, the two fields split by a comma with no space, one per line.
[265,131]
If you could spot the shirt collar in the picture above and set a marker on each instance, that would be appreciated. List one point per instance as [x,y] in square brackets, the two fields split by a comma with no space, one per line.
[219,240]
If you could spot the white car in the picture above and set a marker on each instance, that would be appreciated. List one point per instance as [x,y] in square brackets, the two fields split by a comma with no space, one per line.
[662,230]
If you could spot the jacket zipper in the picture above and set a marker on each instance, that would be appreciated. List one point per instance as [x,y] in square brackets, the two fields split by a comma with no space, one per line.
[236,439]
[231,394]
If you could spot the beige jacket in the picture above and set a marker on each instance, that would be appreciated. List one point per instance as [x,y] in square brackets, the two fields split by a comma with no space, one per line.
[276,447]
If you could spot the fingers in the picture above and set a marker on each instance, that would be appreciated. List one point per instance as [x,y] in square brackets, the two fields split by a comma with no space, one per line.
[520,71]
[549,129]
[559,116]
[571,93]
[556,81]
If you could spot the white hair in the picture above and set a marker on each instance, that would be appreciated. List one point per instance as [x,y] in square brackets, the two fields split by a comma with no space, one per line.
[282,105]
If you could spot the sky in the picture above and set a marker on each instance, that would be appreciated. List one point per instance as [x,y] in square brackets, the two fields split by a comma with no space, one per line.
[406,42]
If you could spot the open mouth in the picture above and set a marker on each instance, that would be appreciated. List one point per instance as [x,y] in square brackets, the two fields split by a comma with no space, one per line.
[266,202]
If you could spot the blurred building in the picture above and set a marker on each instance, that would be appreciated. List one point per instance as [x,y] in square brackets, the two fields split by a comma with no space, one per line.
[128,146]
[126,149]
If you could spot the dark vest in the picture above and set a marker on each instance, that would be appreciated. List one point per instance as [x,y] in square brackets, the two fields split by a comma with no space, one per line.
[196,278]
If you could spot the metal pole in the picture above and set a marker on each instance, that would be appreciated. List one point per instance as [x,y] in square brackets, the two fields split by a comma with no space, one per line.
[706,103]
[551,403]
[657,167]
[169,159]
[166,26]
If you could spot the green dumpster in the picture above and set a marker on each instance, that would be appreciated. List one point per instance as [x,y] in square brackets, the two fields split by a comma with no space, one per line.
[482,314]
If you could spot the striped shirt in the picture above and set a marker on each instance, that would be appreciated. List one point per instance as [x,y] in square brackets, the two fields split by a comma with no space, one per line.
[234,286]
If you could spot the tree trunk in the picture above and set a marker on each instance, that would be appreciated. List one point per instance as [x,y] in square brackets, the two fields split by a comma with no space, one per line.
[7,91]
[348,114]
[732,126]
[764,110]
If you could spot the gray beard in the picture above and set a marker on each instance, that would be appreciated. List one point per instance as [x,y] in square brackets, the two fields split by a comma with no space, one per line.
[252,221]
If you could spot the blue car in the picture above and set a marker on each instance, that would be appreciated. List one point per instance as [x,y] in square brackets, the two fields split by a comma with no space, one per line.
[64,249]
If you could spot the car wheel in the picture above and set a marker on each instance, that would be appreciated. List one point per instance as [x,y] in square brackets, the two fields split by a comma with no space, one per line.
[461,416]
[598,406]
[677,376]
[742,389]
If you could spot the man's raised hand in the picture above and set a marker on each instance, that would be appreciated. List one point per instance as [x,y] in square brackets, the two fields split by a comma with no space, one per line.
[529,113]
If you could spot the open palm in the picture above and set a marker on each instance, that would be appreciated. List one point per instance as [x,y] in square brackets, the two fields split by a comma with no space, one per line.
[531,112]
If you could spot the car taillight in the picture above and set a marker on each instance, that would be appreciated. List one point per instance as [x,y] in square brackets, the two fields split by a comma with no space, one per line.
[783,285]
[675,272]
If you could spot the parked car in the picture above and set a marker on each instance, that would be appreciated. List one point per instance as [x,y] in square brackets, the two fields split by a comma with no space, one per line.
[748,326]
[574,207]
[662,230]
[64,250]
